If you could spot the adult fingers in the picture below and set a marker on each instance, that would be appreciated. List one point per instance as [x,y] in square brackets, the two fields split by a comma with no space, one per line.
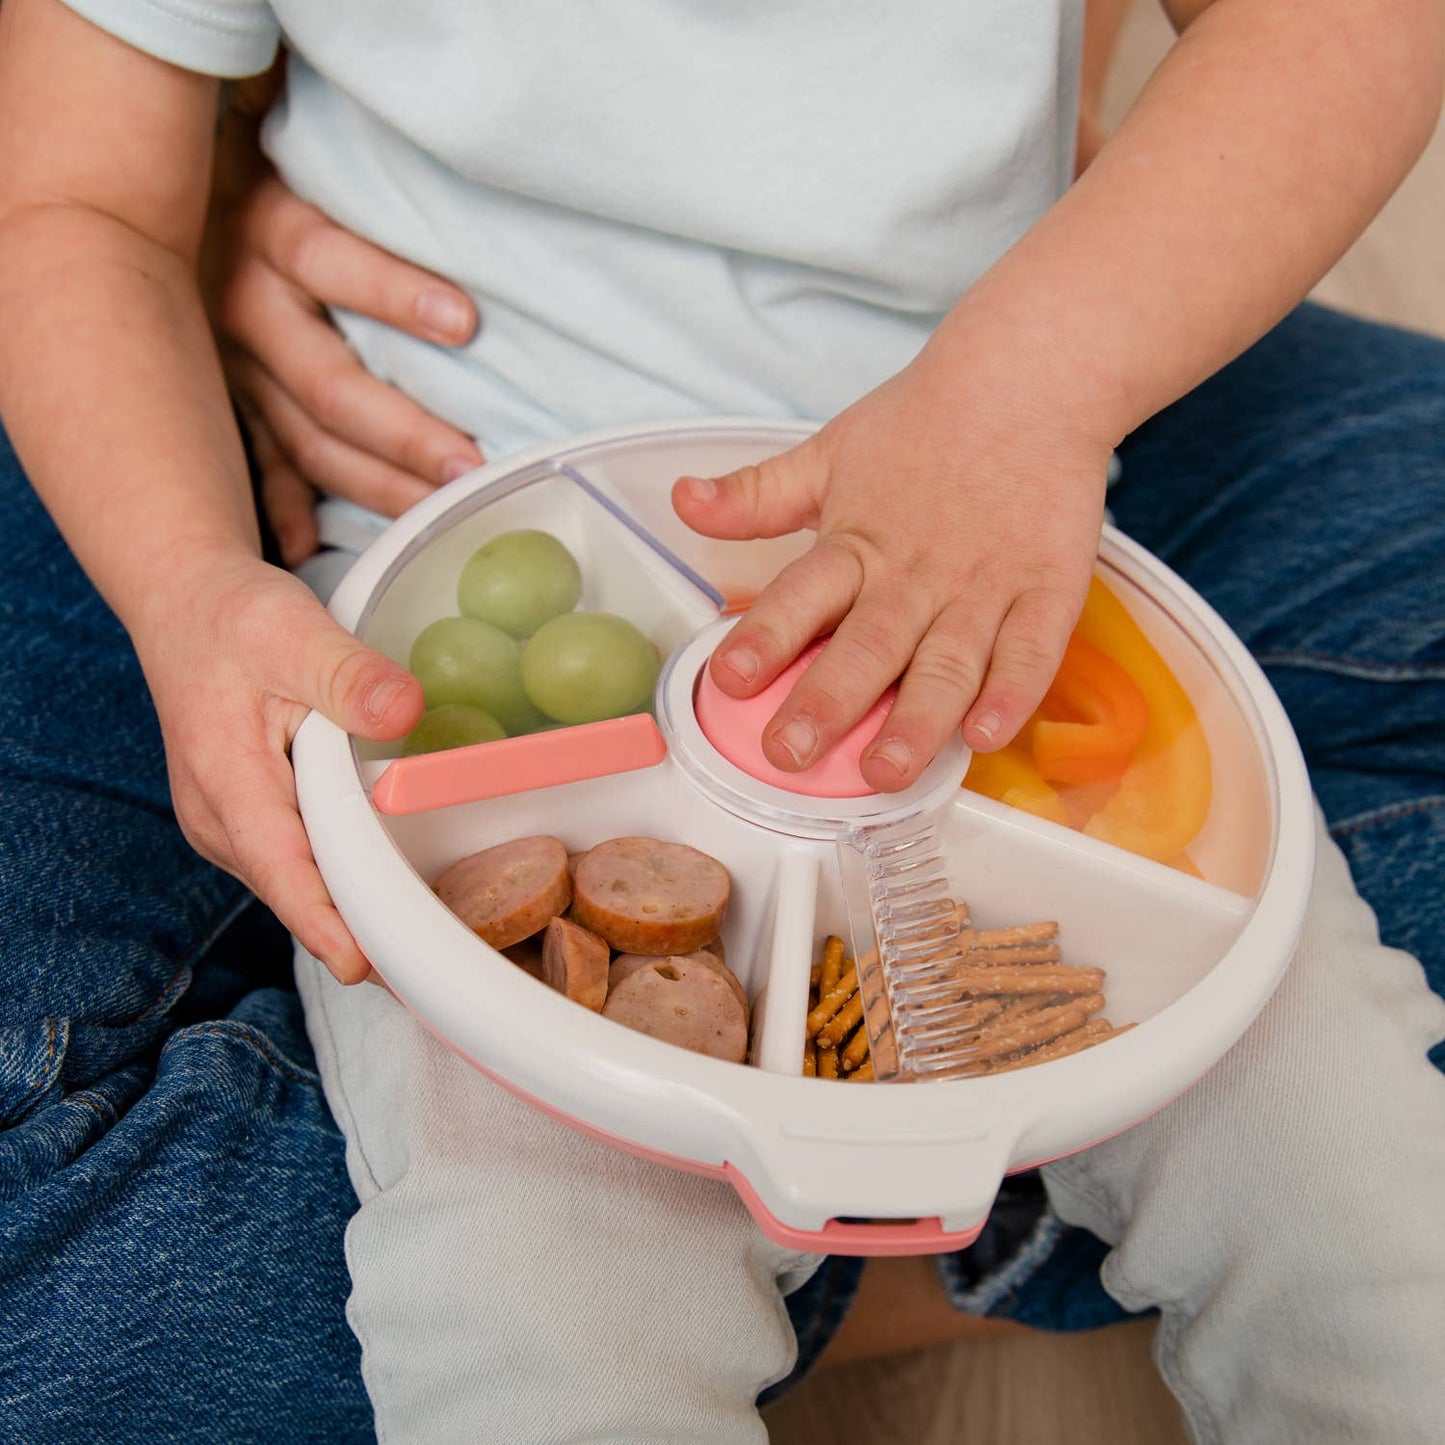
[338,268]
[326,461]
[271,320]
[287,500]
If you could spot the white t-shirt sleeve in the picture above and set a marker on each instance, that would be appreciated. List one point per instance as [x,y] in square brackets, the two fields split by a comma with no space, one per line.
[216,37]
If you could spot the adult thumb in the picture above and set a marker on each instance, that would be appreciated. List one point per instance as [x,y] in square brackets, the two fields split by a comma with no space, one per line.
[774,497]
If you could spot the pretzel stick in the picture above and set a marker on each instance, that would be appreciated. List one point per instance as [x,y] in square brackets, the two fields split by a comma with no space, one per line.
[862,1074]
[830,1003]
[843,1023]
[831,969]
[1000,957]
[827,1063]
[1034,980]
[856,1050]
[882,1045]
[1040,1028]
[1029,1003]
[810,1059]
[969,1016]
[1007,937]
[814,974]
[1077,1040]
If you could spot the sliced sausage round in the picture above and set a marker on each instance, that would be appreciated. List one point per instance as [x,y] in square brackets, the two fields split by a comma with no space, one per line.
[505,894]
[626,964]
[645,896]
[527,955]
[574,962]
[683,999]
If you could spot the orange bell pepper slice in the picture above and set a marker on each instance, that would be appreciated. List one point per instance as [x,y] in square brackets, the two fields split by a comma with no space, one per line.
[1091,719]
[1163,796]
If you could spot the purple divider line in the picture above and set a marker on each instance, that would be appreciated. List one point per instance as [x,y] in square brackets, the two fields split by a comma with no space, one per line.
[643,535]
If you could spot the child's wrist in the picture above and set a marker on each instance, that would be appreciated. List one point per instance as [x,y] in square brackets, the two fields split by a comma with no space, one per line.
[1025,354]
[198,585]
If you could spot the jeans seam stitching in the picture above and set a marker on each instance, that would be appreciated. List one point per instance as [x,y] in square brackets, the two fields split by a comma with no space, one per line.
[43,1082]
[1386,814]
[256,1041]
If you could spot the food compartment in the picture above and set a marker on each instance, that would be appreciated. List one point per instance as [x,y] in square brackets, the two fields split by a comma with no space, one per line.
[573,665]
[638,473]
[1151,931]
[1144,741]
[772,883]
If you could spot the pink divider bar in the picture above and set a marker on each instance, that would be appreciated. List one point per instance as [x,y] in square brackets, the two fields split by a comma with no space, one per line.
[519,765]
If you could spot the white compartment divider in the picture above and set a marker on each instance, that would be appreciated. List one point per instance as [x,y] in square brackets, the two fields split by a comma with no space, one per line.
[780,1011]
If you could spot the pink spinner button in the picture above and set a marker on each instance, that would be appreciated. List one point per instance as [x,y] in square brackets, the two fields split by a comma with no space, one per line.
[734,726]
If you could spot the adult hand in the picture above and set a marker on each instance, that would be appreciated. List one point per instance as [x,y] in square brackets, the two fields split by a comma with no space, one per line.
[318,420]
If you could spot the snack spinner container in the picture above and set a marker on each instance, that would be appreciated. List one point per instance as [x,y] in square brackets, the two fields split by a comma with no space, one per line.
[885,1168]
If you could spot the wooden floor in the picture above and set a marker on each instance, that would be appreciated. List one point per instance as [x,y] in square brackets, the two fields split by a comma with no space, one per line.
[1021,1387]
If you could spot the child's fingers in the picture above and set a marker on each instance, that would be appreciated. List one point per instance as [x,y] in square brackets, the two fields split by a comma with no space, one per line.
[1031,641]
[272,855]
[941,682]
[808,597]
[775,497]
[358,688]
[866,653]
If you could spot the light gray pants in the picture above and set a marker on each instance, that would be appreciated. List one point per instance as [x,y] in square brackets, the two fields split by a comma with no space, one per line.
[514,1282]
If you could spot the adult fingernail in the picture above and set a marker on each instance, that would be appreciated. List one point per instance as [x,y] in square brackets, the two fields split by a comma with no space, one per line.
[444,312]
[701,489]
[455,467]
[986,725]
[798,739]
[743,661]
[380,696]
[897,754]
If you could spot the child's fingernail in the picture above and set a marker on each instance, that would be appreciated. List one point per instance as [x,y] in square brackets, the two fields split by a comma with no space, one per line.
[798,739]
[381,696]
[701,489]
[443,312]
[455,467]
[986,725]
[743,661]
[897,754]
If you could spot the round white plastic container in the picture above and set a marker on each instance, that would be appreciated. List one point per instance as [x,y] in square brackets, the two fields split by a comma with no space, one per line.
[843,1168]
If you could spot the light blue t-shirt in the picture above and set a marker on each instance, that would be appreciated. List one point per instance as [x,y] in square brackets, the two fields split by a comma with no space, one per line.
[664,208]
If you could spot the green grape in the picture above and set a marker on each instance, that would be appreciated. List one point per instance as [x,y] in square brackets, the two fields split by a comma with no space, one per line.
[585,666]
[463,659]
[518,580]
[452,725]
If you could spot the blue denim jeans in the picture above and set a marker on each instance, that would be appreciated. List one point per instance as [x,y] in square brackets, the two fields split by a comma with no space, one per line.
[173,1193]
[172,1188]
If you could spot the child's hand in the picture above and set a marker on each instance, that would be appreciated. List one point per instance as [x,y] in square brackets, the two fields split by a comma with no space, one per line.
[234,670]
[958,522]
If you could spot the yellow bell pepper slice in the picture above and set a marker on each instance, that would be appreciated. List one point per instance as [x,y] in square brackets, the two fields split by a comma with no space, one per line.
[1011,776]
